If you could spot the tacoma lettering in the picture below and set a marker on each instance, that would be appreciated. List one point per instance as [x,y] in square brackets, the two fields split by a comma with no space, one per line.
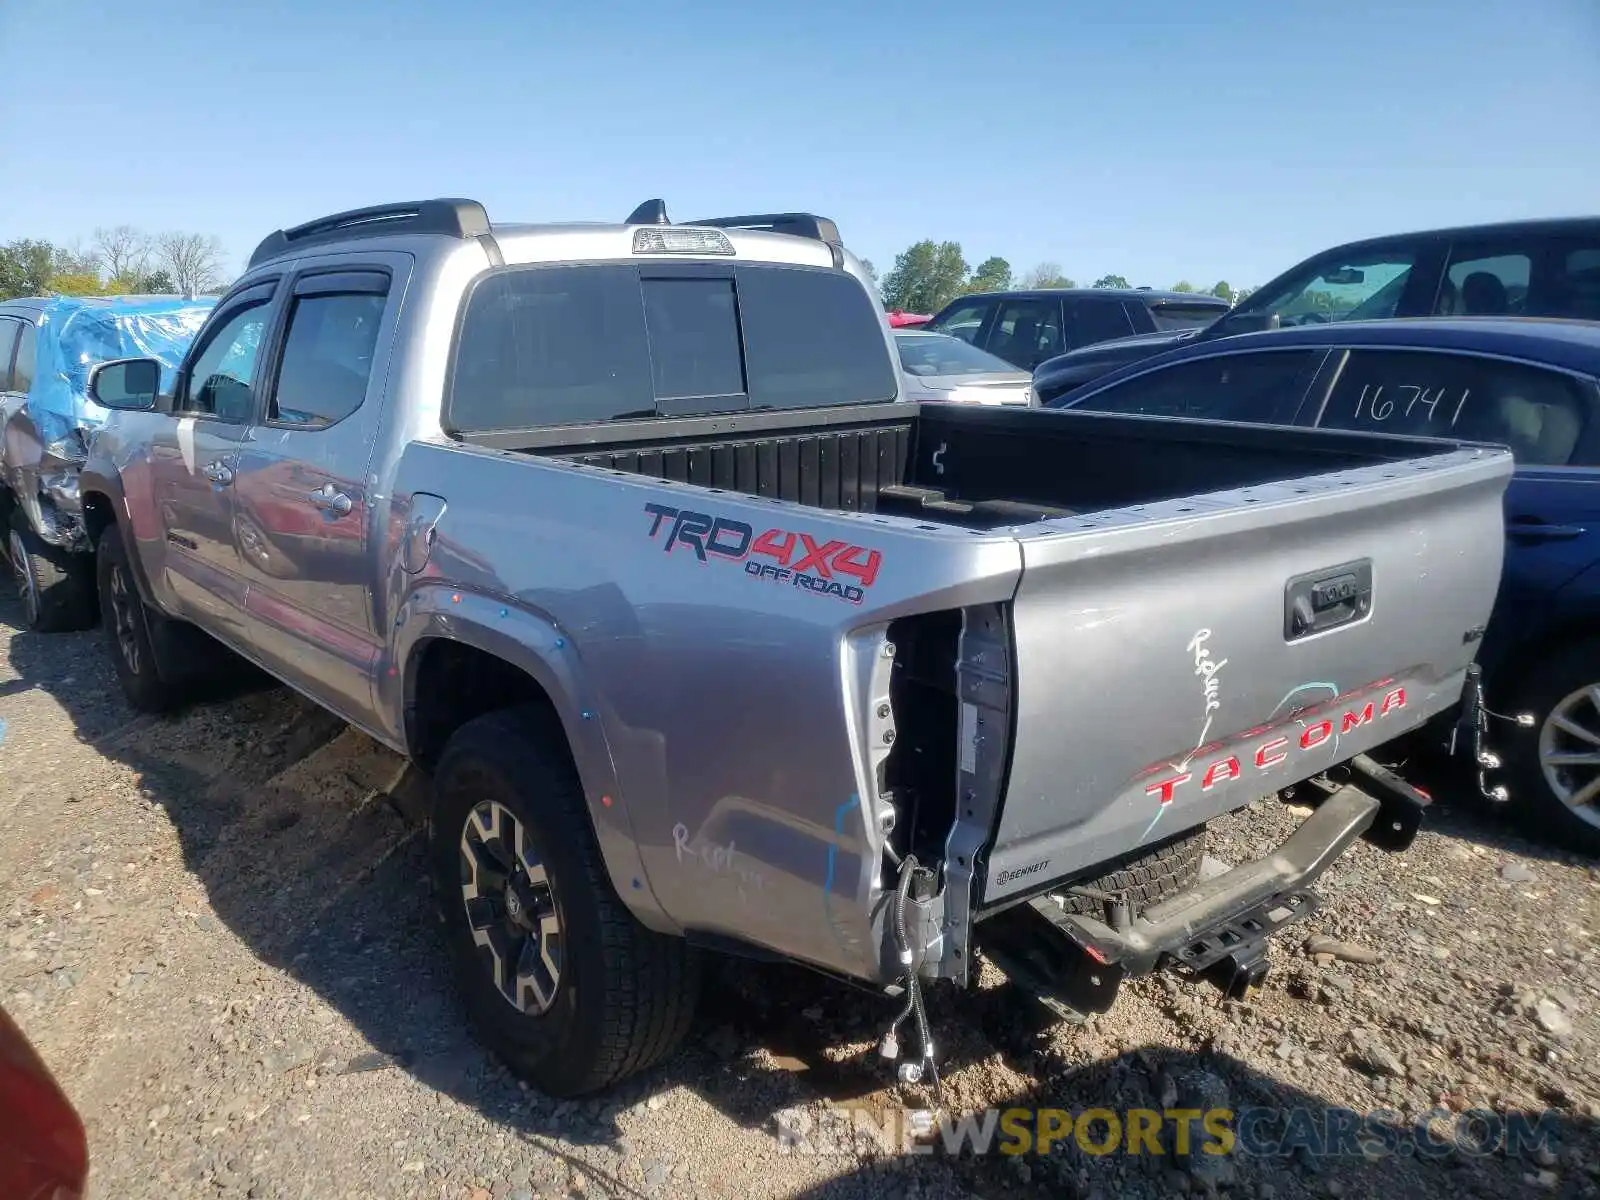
[1269,754]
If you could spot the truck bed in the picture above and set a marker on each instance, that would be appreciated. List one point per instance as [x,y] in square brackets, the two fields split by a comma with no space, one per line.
[1104,630]
[975,467]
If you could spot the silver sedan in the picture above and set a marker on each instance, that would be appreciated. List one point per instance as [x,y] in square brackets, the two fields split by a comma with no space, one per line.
[940,367]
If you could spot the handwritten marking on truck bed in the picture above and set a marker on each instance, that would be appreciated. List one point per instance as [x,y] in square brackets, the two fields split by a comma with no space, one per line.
[717,857]
[1206,667]
[797,558]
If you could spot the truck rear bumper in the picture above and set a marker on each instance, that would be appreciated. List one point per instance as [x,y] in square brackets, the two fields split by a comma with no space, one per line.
[1217,929]
[1228,913]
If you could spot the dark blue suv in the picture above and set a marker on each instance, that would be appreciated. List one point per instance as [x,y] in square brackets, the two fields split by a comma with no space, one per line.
[1530,384]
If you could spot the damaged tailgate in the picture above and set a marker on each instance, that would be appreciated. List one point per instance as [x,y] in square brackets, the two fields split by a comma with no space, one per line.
[1175,660]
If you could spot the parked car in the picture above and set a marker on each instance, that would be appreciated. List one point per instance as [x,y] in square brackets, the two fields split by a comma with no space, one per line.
[940,367]
[710,640]
[1547,268]
[47,347]
[899,319]
[1533,385]
[44,1152]
[1027,327]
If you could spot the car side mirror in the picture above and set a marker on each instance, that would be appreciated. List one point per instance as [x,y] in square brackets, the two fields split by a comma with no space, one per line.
[128,384]
[1248,322]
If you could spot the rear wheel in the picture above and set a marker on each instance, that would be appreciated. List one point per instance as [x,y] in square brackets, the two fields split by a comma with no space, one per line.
[56,587]
[1555,766]
[558,977]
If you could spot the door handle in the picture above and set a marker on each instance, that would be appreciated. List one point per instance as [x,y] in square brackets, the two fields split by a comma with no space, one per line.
[218,473]
[1529,529]
[330,500]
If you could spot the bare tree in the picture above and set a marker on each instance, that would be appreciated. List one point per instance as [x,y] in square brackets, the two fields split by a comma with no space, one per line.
[124,250]
[193,260]
[73,258]
[1046,275]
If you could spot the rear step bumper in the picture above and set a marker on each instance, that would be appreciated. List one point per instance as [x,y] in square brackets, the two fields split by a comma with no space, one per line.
[1229,916]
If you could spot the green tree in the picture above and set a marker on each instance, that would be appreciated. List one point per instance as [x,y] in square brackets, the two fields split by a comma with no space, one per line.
[1183,285]
[1047,275]
[1243,294]
[1223,290]
[25,267]
[159,283]
[872,271]
[76,283]
[992,275]
[1111,281]
[926,277]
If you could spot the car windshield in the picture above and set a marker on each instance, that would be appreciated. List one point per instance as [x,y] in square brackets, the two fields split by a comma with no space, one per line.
[1184,316]
[1351,288]
[930,354]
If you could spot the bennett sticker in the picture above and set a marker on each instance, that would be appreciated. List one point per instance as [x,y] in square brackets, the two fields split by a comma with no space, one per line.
[828,568]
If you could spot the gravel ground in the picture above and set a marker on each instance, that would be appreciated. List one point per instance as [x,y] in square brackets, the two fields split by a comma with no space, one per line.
[217,930]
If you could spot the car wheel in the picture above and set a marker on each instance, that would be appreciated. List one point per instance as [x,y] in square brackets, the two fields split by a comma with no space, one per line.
[128,622]
[558,978]
[1555,766]
[54,585]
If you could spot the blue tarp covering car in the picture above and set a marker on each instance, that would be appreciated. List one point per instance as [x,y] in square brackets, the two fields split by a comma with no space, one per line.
[48,419]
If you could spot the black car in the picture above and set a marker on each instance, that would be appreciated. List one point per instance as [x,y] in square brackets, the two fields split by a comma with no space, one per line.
[1532,385]
[1026,328]
[1545,268]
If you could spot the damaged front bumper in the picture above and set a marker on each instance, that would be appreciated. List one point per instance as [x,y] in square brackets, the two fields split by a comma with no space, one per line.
[1218,928]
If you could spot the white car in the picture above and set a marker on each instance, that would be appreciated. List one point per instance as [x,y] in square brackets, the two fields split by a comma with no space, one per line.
[938,366]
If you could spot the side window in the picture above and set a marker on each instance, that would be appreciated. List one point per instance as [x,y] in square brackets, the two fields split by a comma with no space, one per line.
[1099,321]
[1262,388]
[23,368]
[1026,332]
[1484,282]
[1540,414]
[1361,286]
[327,349]
[1577,291]
[693,326]
[551,346]
[8,343]
[964,321]
[220,378]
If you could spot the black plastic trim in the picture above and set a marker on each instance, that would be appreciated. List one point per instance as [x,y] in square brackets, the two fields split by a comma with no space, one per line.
[451,217]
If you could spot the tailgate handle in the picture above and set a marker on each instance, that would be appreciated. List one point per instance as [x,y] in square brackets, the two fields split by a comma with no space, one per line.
[1325,599]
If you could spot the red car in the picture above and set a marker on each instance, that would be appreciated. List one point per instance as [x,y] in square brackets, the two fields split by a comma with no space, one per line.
[43,1152]
[899,319]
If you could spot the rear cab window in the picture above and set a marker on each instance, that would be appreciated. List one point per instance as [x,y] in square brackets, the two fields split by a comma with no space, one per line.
[564,345]
[1540,414]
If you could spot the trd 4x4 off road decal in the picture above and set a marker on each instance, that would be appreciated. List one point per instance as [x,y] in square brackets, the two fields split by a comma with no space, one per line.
[830,568]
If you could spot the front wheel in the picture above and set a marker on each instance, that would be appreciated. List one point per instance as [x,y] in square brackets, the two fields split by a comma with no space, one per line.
[128,624]
[56,586]
[1555,767]
[558,978]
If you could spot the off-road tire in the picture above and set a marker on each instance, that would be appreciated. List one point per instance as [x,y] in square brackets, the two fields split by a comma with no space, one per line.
[131,632]
[1542,814]
[1146,876]
[60,582]
[626,995]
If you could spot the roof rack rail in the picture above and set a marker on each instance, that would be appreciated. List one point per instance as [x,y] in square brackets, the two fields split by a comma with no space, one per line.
[806,225]
[451,217]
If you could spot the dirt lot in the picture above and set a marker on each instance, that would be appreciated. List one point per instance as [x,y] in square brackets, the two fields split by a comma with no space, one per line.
[218,931]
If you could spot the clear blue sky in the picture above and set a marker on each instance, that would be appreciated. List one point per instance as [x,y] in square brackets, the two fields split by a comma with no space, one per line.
[1224,141]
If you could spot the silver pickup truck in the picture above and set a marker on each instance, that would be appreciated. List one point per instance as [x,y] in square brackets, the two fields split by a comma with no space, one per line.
[709,641]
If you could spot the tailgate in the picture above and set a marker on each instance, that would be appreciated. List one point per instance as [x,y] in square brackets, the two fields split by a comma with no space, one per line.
[1176,660]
